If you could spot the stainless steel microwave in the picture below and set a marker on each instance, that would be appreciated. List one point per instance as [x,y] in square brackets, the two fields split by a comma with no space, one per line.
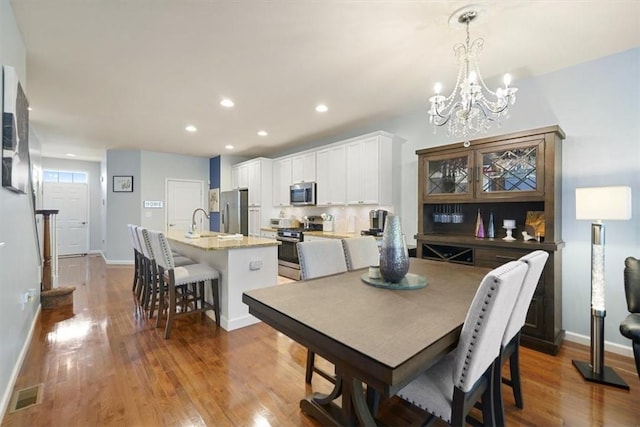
[303,194]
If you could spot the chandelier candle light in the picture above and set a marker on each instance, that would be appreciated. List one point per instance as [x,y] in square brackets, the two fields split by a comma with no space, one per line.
[472,112]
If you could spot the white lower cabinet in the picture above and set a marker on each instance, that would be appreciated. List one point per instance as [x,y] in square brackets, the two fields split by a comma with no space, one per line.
[254,222]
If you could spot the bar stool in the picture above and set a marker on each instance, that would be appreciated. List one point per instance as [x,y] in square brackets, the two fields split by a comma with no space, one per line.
[182,285]
[150,271]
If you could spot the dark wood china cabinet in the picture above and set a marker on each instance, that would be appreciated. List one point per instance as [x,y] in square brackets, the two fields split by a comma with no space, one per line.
[503,177]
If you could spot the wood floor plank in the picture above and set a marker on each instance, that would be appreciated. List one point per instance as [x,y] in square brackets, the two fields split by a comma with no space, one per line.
[103,363]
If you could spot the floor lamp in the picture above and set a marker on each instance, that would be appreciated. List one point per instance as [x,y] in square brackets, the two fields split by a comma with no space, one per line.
[600,203]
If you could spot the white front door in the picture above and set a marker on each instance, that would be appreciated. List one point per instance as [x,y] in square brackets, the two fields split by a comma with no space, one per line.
[73,219]
[184,197]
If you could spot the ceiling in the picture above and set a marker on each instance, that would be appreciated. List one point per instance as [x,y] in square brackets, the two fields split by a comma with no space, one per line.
[107,74]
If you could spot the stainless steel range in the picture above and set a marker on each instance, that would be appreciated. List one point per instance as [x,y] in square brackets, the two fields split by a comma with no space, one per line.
[288,262]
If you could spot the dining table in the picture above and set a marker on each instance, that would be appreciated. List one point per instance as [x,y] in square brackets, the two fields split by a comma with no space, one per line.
[377,338]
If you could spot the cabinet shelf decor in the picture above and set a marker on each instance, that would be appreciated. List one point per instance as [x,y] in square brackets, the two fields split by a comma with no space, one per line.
[506,177]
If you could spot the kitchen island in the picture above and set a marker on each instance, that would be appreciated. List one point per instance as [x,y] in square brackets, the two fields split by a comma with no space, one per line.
[244,264]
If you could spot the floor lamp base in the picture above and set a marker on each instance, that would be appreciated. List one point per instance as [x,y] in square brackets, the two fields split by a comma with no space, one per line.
[608,375]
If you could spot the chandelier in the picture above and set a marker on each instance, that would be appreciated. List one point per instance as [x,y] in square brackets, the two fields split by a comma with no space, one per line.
[471,106]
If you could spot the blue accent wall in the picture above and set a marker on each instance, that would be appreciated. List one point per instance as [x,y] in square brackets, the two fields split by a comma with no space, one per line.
[214,179]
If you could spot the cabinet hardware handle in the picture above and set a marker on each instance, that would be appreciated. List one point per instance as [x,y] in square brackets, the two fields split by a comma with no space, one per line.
[477,173]
[508,258]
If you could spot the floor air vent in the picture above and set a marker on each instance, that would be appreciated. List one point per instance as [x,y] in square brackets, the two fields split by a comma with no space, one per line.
[26,398]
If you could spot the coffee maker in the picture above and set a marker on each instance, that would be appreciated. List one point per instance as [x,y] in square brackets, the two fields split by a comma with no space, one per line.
[377,218]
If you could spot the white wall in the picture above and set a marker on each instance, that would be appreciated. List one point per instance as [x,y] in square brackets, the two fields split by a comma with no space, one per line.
[150,171]
[156,169]
[95,196]
[19,268]
[122,208]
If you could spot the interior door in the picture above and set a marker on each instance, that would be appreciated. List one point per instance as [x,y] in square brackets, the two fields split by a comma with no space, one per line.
[73,219]
[184,197]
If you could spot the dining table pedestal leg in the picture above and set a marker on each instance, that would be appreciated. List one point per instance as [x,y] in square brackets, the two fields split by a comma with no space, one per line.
[354,409]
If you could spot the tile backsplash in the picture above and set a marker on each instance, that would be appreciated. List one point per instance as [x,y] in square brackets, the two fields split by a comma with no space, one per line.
[342,215]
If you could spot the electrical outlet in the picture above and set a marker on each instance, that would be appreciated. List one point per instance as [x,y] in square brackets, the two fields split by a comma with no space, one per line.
[255,264]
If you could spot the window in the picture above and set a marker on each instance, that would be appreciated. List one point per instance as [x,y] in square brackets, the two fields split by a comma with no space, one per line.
[65,177]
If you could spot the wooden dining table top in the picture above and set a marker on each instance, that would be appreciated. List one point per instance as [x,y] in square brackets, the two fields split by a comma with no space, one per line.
[385,337]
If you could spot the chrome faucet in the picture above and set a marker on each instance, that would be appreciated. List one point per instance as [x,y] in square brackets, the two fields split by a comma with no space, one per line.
[193,218]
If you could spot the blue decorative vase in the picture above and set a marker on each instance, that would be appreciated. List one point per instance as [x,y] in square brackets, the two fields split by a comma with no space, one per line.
[394,256]
[491,232]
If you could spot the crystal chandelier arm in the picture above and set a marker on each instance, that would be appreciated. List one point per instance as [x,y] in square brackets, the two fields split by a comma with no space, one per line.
[471,106]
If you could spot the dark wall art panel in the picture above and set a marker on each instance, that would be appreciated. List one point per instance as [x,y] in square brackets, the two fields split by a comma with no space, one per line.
[15,133]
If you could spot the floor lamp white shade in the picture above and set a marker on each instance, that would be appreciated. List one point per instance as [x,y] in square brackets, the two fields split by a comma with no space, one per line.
[597,204]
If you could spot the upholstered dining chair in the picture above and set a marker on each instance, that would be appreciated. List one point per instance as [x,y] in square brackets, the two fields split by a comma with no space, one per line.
[630,326]
[511,340]
[182,285]
[319,258]
[361,252]
[449,389]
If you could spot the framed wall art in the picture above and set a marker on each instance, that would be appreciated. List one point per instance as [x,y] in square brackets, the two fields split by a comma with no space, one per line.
[122,184]
[16,169]
[214,200]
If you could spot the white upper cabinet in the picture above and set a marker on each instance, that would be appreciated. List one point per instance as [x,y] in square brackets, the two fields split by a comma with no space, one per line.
[330,176]
[303,168]
[281,181]
[364,171]
[240,176]
[255,175]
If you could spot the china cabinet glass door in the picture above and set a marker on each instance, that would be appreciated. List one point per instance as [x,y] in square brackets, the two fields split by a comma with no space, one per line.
[513,169]
[448,177]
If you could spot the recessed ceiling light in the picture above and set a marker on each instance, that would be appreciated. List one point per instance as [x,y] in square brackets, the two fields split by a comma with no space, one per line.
[191,128]
[226,102]
[70,155]
[321,108]
[229,147]
[262,133]
[29,108]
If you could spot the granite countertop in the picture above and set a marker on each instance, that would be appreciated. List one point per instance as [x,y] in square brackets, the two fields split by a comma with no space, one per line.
[209,241]
[332,234]
[268,229]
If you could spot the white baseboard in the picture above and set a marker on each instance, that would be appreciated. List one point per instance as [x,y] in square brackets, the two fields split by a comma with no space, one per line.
[608,346]
[6,396]
[115,261]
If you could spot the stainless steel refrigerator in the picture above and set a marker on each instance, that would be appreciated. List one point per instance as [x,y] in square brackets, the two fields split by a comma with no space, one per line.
[234,212]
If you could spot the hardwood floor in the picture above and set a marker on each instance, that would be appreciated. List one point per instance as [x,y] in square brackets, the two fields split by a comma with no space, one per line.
[103,363]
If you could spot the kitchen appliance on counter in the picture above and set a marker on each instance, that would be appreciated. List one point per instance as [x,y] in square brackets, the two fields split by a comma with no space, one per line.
[302,194]
[377,217]
[234,212]
[288,261]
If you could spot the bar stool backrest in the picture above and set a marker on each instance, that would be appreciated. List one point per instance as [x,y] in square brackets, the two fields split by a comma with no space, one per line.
[162,250]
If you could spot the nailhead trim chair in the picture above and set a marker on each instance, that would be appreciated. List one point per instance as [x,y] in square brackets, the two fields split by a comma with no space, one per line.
[630,326]
[320,258]
[361,252]
[183,285]
[511,341]
[136,258]
[150,269]
[449,389]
